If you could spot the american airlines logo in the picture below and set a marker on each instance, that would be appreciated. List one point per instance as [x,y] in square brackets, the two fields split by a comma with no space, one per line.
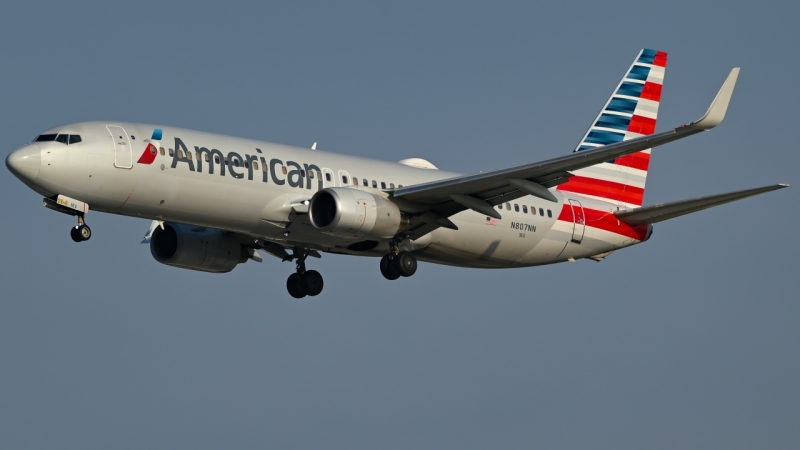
[238,166]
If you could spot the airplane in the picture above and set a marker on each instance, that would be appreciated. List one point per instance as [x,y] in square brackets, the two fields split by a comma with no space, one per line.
[216,201]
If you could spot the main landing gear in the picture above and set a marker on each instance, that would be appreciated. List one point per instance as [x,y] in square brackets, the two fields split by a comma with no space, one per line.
[80,232]
[398,264]
[303,282]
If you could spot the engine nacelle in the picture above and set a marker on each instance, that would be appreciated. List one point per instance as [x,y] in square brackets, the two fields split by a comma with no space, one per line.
[194,248]
[355,214]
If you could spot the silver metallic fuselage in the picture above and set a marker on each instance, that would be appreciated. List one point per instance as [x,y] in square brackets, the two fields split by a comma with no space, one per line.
[261,207]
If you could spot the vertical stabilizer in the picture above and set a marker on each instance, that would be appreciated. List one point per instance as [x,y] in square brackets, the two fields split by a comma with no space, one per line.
[630,112]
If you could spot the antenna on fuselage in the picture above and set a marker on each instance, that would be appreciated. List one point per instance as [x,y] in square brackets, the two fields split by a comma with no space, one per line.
[314,147]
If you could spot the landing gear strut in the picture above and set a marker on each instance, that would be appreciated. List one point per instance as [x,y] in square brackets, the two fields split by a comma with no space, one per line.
[303,282]
[80,232]
[398,264]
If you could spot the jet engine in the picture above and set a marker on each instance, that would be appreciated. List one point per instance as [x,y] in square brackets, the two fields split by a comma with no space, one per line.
[194,248]
[355,214]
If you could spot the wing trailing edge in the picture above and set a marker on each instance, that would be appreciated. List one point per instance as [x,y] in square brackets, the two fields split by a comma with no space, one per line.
[665,211]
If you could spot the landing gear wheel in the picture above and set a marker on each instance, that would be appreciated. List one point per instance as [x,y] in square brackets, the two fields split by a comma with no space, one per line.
[311,282]
[405,264]
[293,286]
[387,268]
[84,232]
[73,233]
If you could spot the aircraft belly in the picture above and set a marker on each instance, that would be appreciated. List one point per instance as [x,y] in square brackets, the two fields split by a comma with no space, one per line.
[479,242]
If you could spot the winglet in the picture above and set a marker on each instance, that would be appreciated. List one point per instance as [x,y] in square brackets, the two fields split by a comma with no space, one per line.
[716,112]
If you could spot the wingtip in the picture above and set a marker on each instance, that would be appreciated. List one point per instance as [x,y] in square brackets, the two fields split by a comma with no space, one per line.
[716,112]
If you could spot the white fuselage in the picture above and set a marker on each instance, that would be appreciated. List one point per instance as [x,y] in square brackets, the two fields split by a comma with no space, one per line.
[240,196]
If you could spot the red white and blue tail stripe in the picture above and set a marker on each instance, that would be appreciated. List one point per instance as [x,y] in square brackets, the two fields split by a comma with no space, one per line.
[631,112]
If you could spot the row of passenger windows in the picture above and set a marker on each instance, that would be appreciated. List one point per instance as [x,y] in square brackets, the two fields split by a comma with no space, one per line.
[63,138]
[328,175]
[525,209]
[364,181]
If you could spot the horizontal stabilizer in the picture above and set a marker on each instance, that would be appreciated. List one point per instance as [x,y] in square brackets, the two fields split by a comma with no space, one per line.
[664,211]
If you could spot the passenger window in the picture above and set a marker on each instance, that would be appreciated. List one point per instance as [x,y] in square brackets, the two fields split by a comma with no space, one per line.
[374,184]
[74,138]
[524,209]
[541,211]
[302,173]
[399,186]
[549,213]
[188,154]
[355,181]
[283,170]
[206,156]
[533,210]
[344,179]
[153,150]
[383,185]
[216,158]
[508,206]
[516,207]
[46,138]
[171,153]
[236,162]
[255,165]
[391,185]
[62,138]
[265,167]
[328,176]
[366,183]
[161,150]
[311,174]
[197,155]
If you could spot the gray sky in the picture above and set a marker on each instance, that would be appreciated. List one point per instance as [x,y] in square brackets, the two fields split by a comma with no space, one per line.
[690,340]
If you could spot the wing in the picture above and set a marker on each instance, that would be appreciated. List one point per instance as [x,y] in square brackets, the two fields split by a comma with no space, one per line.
[433,202]
[665,211]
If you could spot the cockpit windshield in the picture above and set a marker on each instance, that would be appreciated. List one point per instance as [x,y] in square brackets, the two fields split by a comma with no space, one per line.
[45,138]
[63,138]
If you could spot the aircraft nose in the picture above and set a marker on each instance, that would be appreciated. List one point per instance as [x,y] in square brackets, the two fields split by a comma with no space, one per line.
[25,162]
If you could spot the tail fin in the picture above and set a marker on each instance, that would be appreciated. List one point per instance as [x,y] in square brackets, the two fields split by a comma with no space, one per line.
[630,112]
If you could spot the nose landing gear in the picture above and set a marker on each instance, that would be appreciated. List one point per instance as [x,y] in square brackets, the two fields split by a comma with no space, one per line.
[81,232]
[303,282]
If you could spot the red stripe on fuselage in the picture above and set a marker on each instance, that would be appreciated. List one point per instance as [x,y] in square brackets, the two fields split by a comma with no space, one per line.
[604,220]
[604,189]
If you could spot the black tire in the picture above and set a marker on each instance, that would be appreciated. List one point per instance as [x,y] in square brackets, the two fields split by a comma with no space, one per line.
[293,286]
[311,282]
[73,233]
[405,264]
[387,269]
[84,232]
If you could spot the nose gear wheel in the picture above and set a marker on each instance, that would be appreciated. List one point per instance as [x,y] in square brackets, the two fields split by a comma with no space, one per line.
[81,232]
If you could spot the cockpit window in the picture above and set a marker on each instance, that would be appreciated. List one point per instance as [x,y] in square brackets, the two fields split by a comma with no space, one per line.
[63,138]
